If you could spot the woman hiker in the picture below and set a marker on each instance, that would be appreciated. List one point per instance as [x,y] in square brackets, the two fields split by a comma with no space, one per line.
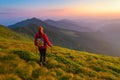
[41,40]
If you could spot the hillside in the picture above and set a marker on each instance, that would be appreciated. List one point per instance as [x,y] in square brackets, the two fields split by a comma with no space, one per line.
[8,33]
[68,24]
[19,61]
[84,41]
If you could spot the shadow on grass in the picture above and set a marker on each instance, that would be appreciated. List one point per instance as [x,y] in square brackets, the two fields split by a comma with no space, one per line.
[26,55]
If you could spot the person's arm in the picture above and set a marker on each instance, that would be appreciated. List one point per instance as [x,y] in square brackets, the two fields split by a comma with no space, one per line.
[35,39]
[47,40]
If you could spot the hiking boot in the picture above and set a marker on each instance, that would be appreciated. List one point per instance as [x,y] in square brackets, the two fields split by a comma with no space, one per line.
[40,64]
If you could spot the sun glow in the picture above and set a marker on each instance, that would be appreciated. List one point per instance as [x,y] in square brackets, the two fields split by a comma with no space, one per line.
[58,9]
[110,9]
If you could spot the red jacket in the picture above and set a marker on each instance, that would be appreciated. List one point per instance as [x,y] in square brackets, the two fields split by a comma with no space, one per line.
[46,40]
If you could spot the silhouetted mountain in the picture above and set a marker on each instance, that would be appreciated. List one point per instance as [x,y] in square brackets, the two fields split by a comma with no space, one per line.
[68,24]
[84,41]
[27,22]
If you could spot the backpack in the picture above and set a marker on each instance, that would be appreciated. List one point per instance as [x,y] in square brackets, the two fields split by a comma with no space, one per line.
[40,42]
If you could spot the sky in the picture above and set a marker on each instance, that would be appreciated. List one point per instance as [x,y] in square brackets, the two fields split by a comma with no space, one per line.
[12,11]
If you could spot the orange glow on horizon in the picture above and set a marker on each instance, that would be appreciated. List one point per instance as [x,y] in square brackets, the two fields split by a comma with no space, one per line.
[95,10]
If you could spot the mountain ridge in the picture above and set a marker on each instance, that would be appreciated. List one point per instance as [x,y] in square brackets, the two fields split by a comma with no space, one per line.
[68,24]
[26,22]
[84,41]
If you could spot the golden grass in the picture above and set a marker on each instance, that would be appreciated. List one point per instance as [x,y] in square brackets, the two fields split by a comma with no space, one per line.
[19,60]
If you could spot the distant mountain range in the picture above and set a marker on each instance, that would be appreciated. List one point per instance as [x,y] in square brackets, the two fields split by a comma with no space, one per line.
[66,33]
[68,24]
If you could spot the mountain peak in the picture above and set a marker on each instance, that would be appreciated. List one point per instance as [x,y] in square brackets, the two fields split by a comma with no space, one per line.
[27,22]
[49,20]
[34,18]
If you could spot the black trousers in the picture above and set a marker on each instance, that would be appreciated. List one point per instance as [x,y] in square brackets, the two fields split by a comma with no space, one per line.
[42,55]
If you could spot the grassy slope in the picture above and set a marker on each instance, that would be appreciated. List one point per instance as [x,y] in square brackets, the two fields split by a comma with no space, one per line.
[7,33]
[19,61]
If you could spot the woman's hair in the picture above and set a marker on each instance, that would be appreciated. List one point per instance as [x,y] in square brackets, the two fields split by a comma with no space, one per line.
[41,30]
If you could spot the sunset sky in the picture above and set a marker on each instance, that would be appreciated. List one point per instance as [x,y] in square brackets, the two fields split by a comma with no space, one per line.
[15,10]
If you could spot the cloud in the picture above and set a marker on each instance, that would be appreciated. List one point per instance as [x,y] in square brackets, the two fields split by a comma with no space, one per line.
[53,10]
[4,13]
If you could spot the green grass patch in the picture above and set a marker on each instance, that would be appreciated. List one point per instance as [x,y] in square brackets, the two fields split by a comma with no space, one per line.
[37,72]
[98,68]
[7,58]
[115,68]
[26,55]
